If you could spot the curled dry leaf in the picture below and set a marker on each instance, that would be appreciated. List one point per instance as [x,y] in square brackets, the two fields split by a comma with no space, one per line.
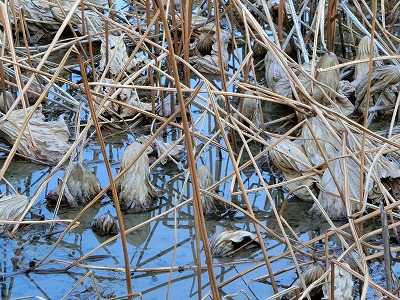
[329,78]
[276,77]
[128,96]
[117,55]
[164,108]
[66,197]
[135,191]
[37,15]
[45,140]
[343,284]
[250,109]
[383,77]
[166,149]
[94,20]
[42,16]
[384,168]
[82,183]
[363,52]
[327,140]
[228,241]
[11,208]
[210,205]
[105,224]
[310,275]
[329,197]
[292,161]
[131,97]
[210,63]
[347,89]
[304,76]
[202,23]
[204,43]
[6,102]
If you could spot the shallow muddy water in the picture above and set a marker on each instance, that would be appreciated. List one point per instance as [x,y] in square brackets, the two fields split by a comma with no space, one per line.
[150,248]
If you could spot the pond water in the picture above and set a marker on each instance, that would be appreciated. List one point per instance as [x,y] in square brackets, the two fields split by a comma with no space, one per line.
[167,241]
[161,252]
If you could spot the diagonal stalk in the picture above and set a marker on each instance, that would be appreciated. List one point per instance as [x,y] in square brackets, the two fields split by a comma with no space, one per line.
[198,210]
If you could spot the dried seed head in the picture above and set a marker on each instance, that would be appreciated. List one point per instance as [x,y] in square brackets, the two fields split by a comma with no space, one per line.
[228,241]
[105,224]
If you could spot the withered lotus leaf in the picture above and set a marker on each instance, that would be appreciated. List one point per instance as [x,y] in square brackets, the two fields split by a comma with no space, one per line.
[210,205]
[250,109]
[165,149]
[11,208]
[329,196]
[383,77]
[210,63]
[343,284]
[45,140]
[310,274]
[326,139]
[135,192]
[204,43]
[175,152]
[82,183]
[292,161]
[66,198]
[330,78]
[228,241]
[117,57]
[363,52]
[105,224]
[276,77]
[6,102]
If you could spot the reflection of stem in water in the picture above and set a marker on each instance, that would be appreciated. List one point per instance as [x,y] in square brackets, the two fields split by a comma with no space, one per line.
[160,254]
[218,277]
[145,247]
[4,293]
[162,284]
[37,286]
[39,180]
[28,184]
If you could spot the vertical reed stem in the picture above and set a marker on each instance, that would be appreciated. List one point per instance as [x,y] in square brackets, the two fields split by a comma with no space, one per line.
[110,176]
